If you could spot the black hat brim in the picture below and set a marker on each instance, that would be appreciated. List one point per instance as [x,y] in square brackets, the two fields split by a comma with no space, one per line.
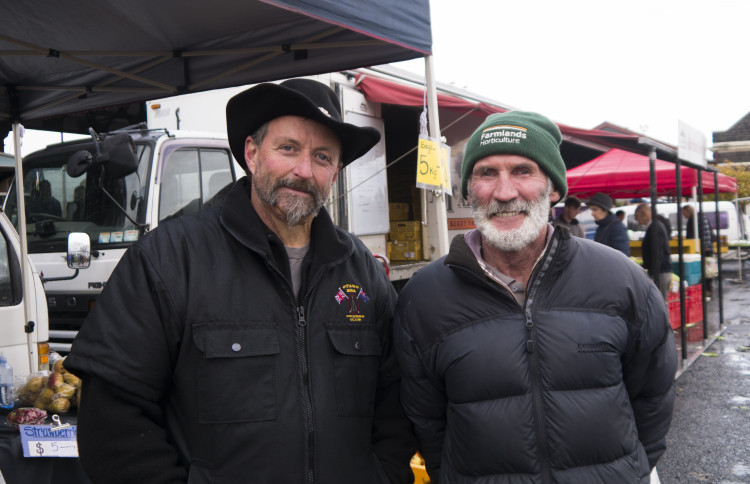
[250,109]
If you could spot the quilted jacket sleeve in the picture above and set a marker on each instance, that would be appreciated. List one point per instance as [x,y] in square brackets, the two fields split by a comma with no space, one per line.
[649,371]
[392,436]
[424,400]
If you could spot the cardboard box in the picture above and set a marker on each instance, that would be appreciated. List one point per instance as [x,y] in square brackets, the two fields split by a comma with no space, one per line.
[405,230]
[398,211]
[405,250]
[406,226]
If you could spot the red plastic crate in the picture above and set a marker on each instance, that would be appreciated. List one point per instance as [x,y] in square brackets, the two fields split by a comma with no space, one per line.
[694,304]
[695,332]
[673,303]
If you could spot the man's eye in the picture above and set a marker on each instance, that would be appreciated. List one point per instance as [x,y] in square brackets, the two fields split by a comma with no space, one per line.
[324,158]
[286,147]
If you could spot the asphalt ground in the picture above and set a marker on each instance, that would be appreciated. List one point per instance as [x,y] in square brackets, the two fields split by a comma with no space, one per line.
[709,440]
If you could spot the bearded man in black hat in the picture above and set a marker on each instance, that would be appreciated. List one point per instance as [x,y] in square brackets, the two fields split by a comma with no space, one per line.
[224,347]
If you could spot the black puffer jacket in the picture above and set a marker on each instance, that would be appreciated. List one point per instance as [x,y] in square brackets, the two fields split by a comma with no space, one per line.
[576,386]
[218,375]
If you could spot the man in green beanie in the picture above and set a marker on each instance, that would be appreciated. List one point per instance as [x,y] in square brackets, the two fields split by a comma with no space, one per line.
[529,355]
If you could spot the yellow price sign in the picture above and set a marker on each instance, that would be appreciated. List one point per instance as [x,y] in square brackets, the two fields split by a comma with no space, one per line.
[433,170]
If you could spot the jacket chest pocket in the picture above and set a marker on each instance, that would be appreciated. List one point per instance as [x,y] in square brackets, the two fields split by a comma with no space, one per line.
[356,362]
[237,374]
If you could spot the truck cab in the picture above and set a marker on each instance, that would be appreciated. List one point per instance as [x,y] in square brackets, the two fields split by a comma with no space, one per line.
[23,338]
[171,174]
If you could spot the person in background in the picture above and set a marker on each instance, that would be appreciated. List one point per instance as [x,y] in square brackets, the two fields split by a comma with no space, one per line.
[706,238]
[610,230]
[567,217]
[250,342]
[705,233]
[620,214]
[657,259]
[44,202]
[529,355]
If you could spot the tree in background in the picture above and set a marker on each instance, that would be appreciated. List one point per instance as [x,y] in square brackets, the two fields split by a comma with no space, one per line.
[742,174]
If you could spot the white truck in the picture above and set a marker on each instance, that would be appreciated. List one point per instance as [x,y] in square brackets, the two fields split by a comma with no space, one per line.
[179,170]
[23,329]
[113,188]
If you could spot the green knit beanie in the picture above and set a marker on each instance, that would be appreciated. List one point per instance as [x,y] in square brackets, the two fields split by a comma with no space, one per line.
[517,133]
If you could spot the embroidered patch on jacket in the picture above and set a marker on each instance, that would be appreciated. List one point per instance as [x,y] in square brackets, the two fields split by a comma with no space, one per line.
[594,347]
[352,295]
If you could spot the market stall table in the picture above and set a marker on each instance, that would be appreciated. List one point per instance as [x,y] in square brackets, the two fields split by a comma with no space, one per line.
[17,469]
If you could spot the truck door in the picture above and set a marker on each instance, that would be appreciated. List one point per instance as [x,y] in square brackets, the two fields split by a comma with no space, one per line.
[191,178]
[12,336]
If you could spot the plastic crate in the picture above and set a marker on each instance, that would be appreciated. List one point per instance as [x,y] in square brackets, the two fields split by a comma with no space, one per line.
[691,271]
[694,304]
[695,332]
[673,303]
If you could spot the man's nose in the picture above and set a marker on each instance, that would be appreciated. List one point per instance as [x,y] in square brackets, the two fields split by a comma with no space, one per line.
[303,168]
[504,190]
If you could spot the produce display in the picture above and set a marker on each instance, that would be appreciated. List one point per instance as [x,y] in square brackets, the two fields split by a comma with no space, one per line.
[26,416]
[55,392]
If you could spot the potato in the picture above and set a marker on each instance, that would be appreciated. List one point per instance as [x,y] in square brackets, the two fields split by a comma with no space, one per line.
[60,405]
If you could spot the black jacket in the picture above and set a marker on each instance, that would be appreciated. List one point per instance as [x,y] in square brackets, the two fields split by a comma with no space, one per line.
[611,232]
[217,374]
[575,385]
[657,258]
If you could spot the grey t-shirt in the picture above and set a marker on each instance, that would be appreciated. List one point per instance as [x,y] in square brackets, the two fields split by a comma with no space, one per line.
[296,254]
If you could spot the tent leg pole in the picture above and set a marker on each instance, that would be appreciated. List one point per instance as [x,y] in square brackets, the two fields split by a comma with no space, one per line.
[439,240]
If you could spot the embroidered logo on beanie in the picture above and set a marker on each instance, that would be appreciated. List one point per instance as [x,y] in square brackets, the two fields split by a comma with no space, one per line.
[502,133]
[517,133]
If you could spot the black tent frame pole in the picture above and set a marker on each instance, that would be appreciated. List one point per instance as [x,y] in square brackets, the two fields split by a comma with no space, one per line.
[680,264]
[654,269]
[702,248]
[718,250]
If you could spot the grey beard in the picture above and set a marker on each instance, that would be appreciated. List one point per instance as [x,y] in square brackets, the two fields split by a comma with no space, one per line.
[298,210]
[537,215]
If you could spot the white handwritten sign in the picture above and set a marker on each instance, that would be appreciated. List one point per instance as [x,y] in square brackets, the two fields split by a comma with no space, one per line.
[43,441]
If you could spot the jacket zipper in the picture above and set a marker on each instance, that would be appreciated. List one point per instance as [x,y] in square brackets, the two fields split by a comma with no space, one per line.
[536,378]
[302,333]
[302,359]
[305,368]
[536,383]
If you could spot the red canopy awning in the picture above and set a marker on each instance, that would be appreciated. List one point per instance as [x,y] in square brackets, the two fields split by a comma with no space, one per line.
[389,92]
[623,174]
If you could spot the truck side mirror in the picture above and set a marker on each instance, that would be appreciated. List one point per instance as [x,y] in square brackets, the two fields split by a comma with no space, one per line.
[117,153]
[79,250]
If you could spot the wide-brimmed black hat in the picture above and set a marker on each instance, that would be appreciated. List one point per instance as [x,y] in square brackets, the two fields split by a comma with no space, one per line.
[250,109]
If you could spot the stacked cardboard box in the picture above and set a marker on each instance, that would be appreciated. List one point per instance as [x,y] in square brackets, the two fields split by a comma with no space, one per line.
[405,241]
[398,211]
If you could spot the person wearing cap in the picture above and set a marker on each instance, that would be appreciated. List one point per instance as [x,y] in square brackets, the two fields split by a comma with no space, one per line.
[527,354]
[567,217]
[251,342]
[610,230]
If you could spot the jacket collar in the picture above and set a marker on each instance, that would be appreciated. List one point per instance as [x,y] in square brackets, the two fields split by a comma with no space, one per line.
[462,255]
[329,243]
[606,220]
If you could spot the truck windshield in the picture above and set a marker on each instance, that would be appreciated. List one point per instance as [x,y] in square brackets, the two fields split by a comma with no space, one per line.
[57,204]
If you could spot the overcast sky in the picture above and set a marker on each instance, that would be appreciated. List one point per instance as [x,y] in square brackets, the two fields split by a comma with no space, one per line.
[640,64]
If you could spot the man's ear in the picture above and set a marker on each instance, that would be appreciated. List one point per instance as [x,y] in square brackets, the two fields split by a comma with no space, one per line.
[554,196]
[336,175]
[251,154]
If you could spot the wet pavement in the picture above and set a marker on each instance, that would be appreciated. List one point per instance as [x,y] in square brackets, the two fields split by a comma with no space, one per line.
[709,441]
